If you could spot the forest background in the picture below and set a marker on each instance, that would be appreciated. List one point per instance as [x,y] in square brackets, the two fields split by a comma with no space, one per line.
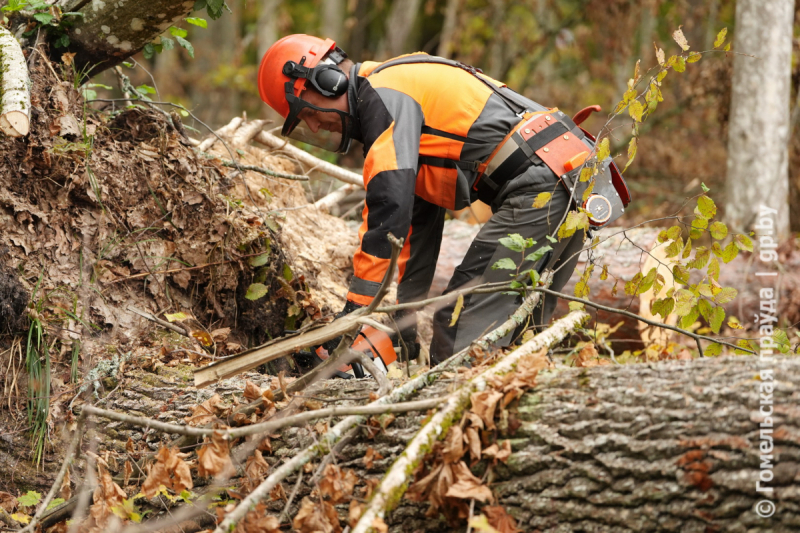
[561,53]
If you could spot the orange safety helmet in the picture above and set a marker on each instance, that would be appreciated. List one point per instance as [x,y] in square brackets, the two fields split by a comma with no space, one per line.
[271,79]
[287,68]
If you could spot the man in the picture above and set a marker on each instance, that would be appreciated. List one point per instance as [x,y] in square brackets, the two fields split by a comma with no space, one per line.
[437,135]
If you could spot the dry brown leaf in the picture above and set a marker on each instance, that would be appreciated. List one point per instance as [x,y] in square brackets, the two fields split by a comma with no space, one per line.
[467,486]
[107,495]
[251,391]
[373,427]
[282,383]
[255,471]
[214,458]
[278,493]
[7,502]
[484,404]
[499,453]
[379,525]
[370,484]
[221,334]
[453,445]
[316,518]
[128,472]
[473,444]
[258,521]
[65,491]
[321,427]
[204,413]
[370,457]
[169,470]
[354,513]
[337,485]
[500,519]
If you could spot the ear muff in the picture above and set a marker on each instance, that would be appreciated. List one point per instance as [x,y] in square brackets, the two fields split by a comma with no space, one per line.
[329,80]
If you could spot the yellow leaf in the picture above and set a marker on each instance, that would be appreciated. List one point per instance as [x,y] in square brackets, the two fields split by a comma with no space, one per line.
[680,39]
[635,110]
[603,149]
[21,518]
[203,337]
[481,523]
[694,57]
[541,200]
[631,153]
[727,47]
[720,37]
[733,323]
[457,310]
[176,317]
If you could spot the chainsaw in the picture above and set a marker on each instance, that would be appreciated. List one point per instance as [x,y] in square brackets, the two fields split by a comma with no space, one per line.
[372,342]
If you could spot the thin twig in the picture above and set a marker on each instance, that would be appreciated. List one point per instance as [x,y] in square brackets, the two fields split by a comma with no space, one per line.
[384,385]
[285,513]
[148,316]
[269,426]
[262,170]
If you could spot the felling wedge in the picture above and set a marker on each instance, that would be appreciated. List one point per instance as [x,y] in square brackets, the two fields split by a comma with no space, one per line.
[15,103]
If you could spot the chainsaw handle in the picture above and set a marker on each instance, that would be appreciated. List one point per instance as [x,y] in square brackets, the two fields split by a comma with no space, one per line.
[584,113]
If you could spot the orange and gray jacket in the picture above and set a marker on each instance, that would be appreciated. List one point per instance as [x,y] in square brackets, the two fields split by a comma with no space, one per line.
[426,127]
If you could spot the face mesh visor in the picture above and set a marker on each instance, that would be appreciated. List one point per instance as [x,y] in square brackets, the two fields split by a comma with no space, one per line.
[333,126]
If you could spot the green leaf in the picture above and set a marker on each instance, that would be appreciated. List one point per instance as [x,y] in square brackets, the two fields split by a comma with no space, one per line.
[30,499]
[703,185]
[662,307]
[681,274]
[287,272]
[743,242]
[195,21]
[167,43]
[259,260]
[457,310]
[701,257]
[713,269]
[534,277]
[730,252]
[44,18]
[674,233]
[186,44]
[514,242]
[55,503]
[725,295]
[538,254]
[705,309]
[745,345]
[505,263]
[713,350]
[718,230]
[647,281]
[782,340]
[551,239]
[178,32]
[706,206]
[720,37]
[717,317]
[680,64]
[690,318]
[541,200]
[146,89]
[684,301]
[674,248]
[256,291]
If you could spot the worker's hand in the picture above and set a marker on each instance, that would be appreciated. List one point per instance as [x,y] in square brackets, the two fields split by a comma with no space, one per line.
[406,320]
[349,307]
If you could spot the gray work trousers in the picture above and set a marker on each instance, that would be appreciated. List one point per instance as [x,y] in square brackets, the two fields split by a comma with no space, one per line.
[513,213]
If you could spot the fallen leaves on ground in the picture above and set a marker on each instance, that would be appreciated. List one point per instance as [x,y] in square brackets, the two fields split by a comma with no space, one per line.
[370,457]
[206,412]
[258,521]
[106,496]
[316,517]
[255,471]
[467,486]
[588,357]
[169,470]
[337,485]
[214,458]
[500,519]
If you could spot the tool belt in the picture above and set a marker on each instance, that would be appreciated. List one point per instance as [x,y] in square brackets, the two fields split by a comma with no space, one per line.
[552,138]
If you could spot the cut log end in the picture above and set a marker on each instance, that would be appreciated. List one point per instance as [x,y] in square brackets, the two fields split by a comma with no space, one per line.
[15,124]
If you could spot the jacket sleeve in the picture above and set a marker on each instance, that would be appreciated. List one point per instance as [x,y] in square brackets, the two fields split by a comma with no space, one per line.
[391,124]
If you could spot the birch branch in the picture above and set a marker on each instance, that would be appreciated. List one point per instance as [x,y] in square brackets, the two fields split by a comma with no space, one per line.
[15,103]
[326,202]
[330,169]
[225,131]
[395,482]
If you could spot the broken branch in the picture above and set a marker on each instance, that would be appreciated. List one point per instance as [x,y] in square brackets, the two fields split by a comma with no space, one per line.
[15,102]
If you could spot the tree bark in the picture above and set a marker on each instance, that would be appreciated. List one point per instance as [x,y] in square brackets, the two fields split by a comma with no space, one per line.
[658,447]
[399,24]
[445,48]
[110,32]
[758,132]
[332,24]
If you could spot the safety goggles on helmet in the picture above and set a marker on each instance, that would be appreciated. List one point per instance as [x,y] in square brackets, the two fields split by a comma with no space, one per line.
[334,126]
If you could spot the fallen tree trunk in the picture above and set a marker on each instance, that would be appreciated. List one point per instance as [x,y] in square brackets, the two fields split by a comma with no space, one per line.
[671,446]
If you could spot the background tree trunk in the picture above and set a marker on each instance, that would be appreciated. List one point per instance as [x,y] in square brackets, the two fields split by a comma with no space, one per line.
[399,24]
[332,23]
[445,48]
[758,134]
